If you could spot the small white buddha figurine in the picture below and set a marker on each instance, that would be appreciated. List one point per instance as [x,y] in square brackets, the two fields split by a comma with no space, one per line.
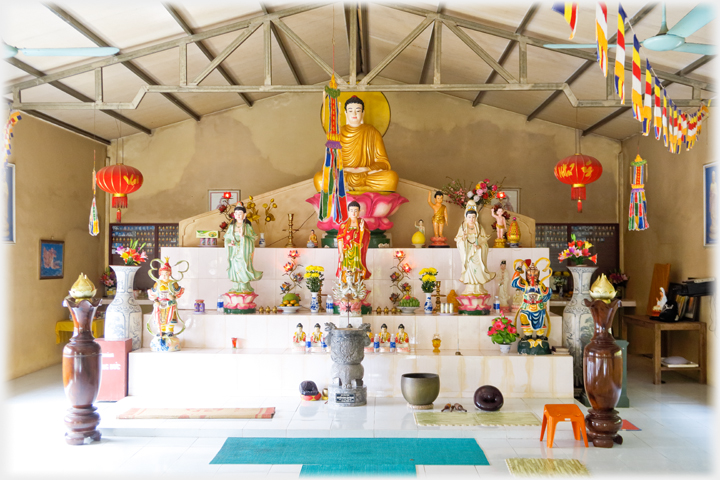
[316,336]
[503,284]
[299,336]
[384,335]
[401,338]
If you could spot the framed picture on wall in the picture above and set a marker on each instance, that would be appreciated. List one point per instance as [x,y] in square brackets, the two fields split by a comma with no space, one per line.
[710,218]
[512,202]
[219,197]
[8,217]
[52,259]
[691,307]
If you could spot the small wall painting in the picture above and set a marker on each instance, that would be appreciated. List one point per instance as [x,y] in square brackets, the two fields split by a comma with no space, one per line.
[219,197]
[52,259]
[710,207]
[512,202]
[8,202]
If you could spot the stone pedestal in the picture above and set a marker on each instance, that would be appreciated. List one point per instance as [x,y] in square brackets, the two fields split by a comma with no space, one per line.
[347,352]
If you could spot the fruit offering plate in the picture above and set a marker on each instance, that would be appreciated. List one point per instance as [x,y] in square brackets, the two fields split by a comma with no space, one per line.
[288,310]
[408,310]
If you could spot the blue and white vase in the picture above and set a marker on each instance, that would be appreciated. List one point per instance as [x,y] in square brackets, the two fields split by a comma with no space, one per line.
[123,317]
[314,304]
[428,304]
[261,242]
[578,326]
[329,305]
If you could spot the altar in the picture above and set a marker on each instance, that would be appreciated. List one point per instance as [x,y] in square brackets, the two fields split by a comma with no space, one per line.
[265,361]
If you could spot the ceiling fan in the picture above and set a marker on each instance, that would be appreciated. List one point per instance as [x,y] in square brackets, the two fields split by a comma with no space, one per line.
[672,39]
[8,51]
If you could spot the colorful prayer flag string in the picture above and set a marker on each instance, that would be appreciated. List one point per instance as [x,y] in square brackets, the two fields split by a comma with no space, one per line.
[658,109]
[620,56]
[647,107]
[569,10]
[636,84]
[601,36]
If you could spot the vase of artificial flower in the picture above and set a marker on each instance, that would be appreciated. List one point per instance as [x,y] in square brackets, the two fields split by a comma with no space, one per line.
[109,281]
[578,325]
[123,317]
[428,277]
[314,276]
[502,332]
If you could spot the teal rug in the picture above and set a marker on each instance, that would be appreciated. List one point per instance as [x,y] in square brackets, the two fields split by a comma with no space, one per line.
[334,452]
[358,471]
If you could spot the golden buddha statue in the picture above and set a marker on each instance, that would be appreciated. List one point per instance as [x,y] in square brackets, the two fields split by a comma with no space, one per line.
[365,162]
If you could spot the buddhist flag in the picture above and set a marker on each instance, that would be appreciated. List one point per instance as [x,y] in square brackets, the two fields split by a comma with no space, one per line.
[658,110]
[647,107]
[684,127]
[665,118]
[601,35]
[620,56]
[569,10]
[333,201]
[636,83]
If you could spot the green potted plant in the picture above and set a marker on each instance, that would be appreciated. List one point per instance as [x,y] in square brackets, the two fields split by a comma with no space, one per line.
[503,333]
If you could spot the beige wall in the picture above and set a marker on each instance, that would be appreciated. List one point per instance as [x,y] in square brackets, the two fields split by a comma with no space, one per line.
[54,193]
[279,142]
[674,192]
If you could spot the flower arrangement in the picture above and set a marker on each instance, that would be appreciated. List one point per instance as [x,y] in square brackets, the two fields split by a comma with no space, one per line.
[108,278]
[295,277]
[314,277]
[132,255]
[502,331]
[618,278]
[578,252]
[428,277]
[401,272]
[252,213]
[482,193]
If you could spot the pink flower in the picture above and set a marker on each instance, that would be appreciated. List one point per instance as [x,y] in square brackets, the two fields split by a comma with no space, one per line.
[512,329]
[498,325]
[492,332]
[494,187]
[483,185]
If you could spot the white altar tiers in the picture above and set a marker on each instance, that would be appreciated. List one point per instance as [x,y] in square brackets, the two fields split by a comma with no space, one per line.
[266,363]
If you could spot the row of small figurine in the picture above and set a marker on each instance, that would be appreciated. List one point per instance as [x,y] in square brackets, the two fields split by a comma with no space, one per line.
[384,339]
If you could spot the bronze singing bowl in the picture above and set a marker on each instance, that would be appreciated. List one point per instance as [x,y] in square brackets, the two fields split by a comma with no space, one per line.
[420,388]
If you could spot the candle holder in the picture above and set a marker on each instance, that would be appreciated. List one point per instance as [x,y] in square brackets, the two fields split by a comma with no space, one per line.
[290,231]
[437,297]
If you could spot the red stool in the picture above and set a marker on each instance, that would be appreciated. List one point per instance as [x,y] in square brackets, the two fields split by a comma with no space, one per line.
[562,413]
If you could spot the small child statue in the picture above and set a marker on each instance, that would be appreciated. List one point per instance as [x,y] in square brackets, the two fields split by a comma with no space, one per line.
[401,338]
[384,335]
[316,336]
[299,336]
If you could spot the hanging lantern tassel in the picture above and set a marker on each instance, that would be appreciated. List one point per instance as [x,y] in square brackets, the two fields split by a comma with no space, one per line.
[578,193]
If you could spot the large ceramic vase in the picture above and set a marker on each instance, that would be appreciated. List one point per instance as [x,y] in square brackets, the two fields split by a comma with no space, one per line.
[577,322]
[123,318]
[603,375]
[81,369]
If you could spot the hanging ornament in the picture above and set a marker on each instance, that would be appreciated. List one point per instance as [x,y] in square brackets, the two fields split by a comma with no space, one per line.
[637,218]
[578,170]
[94,225]
[119,180]
[333,203]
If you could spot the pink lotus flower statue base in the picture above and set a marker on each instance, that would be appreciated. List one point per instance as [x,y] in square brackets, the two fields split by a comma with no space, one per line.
[474,304]
[439,242]
[375,208]
[239,303]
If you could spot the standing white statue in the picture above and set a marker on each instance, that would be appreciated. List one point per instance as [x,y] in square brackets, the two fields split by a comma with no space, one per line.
[473,248]
[503,285]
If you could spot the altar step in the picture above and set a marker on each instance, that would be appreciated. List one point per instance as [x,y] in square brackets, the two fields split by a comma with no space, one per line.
[381,418]
[278,372]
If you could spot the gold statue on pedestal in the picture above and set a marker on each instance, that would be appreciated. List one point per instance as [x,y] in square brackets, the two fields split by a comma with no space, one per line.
[365,162]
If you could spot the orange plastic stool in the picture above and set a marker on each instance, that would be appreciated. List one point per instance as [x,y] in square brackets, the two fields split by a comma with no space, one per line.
[561,413]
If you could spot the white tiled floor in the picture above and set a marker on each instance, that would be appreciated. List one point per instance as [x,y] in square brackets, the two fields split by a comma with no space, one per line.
[677,421]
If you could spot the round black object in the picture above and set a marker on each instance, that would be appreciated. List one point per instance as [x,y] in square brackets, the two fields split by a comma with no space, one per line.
[488,398]
[308,387]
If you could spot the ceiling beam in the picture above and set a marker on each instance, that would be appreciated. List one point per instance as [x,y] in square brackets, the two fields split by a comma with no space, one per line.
[62,124]
[397,51]
[75,94]
[203,48]
[480,52]
[684,71]
[430,54]
[642,13]
[283,50]
[353,41]
[539,43]
[87,33]
[364,33]
[509,48]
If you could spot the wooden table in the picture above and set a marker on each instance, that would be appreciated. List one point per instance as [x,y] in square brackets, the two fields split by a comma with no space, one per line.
[658,327]
[64,329]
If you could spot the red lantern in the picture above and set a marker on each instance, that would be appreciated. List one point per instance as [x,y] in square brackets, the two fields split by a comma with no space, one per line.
[578,170]
[119,180]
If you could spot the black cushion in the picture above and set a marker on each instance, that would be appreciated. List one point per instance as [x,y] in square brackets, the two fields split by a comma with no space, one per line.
[308,387]
[488,398]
